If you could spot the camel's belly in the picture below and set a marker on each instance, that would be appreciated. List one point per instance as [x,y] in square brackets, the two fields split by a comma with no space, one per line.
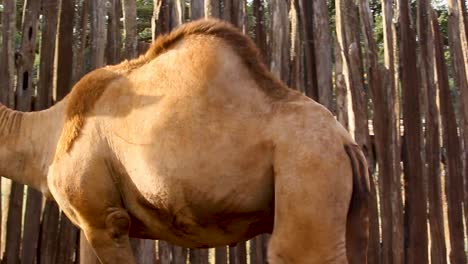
[205,167]
[215,193]
[208,215]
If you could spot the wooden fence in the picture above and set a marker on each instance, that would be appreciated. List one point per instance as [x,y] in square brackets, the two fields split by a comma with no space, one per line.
[388,61]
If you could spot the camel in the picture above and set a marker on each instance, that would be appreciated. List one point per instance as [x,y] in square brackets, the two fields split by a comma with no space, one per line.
[196,143]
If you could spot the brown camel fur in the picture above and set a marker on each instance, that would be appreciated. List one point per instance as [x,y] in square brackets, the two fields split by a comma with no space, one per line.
[196,143]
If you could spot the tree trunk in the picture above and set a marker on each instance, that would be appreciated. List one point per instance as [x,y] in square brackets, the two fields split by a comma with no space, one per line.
[340,87]
[322,50]
[198,256]
[144,250]
[161,18]
[221,255]
[164,252]
[177,13]
[179,254]
[130,28]
[114,33]
[377,88]
[296,41]
[436,221]
[82,28]
[46,68]
[307,26]
[347,28]
[98,33]
[65,64]
[416,194]
[212,8]
[389,163]
[7,65]
[67,237]
[452,145]
[459,54]
[260,36]
[279,36]
[26,54]
[49,233]
[24,89]
[13,226]
[197,9]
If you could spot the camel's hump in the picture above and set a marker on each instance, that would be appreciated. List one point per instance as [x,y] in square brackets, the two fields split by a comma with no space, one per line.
[88,90]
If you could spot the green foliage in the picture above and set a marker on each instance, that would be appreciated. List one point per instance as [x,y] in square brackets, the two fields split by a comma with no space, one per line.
[144,16]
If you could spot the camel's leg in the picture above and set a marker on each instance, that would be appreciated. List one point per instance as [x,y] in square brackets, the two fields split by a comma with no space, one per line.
[312,194]
[91,199]
[111,242]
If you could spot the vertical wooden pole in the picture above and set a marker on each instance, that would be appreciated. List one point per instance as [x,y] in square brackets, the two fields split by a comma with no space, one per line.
[49,233]
[322,50]
[130,28]
[98,33]
[114,33]
[306,16]
[452,144]
[64,69]
[82,28]
[389,178]
[438,251]
[24,90]
[7,65]
[7,78]
[280,39]
[197,9]
[416,194]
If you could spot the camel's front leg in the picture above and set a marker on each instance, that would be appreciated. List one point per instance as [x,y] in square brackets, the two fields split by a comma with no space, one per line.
[111,241]
[312,194]
[91,200]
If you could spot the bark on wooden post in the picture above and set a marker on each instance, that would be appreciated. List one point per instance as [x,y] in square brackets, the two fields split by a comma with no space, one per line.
[416,194]
[82,29]
[260,34]
[144,251]
[98,33]
[307,27]
[458,42]
[340,88]
[177,12]
[26,54]
[7,65]
[164,252]
[375,81]
[67,238]
[389,180]
[160,22]
[197,9]
[24,89]
[179,254]
[438,252]
[279,39]
[452,145]
[64,69]
[130,28]
[114,33]
[322,50]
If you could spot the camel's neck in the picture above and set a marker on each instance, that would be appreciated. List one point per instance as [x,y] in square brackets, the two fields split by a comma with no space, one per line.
[27,144]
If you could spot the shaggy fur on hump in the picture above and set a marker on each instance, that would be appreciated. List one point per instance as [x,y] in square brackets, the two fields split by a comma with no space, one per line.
[87,91]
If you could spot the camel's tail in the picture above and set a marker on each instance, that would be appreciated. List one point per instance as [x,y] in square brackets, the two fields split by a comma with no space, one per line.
[357,226]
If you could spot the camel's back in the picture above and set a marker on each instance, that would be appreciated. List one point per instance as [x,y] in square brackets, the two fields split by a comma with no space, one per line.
[191,54]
